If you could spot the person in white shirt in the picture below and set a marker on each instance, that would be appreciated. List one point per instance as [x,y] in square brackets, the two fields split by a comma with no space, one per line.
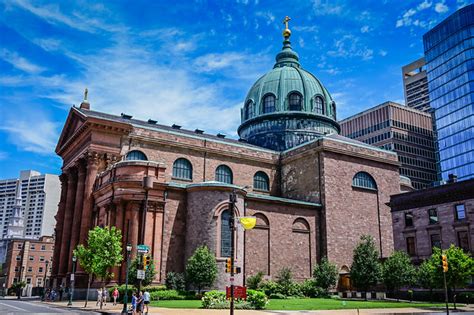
[146,300]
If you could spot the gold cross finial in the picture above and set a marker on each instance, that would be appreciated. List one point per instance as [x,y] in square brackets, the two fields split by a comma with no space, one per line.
[85,94]
[286,20]
[286,31]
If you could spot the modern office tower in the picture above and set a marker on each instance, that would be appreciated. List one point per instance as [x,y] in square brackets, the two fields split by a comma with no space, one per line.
[404,130]
[415,85]
[449,56]
[39,204]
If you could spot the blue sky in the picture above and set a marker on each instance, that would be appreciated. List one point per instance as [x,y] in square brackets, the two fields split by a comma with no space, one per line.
[189,62]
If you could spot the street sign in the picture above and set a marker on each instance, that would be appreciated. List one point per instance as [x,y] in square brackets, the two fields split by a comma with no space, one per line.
[143,249]
[140,274]
[231,279]
[239,292]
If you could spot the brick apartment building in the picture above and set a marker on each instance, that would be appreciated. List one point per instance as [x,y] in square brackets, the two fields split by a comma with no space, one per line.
[28,260]
[434,217]
[314,192]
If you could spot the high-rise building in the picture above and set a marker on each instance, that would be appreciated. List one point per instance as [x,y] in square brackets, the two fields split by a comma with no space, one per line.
[401,129]
[415,85]
[38,195]
[449,56]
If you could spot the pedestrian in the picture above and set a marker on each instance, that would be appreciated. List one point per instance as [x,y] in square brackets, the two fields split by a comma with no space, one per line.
[61,291]
[104,296]
[115,295]
[134,303]
[99,296]
[146,300]
[140,303]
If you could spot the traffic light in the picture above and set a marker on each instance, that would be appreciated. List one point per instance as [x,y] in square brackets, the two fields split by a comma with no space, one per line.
[228,265]
[146,261]
[444,259]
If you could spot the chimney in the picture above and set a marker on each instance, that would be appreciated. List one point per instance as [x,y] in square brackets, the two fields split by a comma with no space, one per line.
[452,178]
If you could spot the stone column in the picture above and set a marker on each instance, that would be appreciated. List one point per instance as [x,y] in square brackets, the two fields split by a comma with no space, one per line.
[117,221]
[69,209]
[134,224]
[86,220]
[59,225]
[76,218]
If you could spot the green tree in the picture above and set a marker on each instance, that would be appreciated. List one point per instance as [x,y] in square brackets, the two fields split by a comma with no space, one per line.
[398,271]
[284,279]
[460,268]
[102,252]
[150,273]
[201,268]
[325,274]
[365,269]
[425,277]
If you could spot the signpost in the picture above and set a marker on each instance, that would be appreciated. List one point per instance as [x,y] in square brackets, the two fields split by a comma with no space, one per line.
[143,249]
[140,274]
[240,292]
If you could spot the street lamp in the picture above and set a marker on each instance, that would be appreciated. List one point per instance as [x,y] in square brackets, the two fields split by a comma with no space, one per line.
[72,280]
[44,281]
[125,296]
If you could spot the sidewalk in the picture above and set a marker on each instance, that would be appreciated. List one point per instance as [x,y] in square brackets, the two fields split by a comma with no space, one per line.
[110,309]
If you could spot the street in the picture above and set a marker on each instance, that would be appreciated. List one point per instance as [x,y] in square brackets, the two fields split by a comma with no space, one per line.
[8,306]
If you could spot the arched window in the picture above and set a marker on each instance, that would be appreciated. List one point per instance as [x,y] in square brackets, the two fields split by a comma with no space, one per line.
[318,105]
[364,180]
[333,109]
[224,174]
[269,103]
[294,101]
[249,110]
[135,155]
[182,169]
[300,225]
[225,234]
[261,181]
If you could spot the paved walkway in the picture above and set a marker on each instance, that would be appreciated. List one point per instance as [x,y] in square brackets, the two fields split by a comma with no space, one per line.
[110,309]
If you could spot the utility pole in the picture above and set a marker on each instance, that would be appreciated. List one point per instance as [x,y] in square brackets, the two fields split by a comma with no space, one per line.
[232,201]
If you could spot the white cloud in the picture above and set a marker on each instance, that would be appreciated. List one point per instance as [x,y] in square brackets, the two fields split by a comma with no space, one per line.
[267,16]
[19,62]
[325,7]
[212,62]
[383,53]
[424,5]
[349,46]
[3,155]
[440,7]
[301,42]
[365,29]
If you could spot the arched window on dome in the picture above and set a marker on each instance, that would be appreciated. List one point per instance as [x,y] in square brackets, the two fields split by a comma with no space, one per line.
[249,110]
[224,174]
[364,180]
[261,181]
[294,101]
[318,105]
[333,109]
[269,103]
[182,169]
[136,155]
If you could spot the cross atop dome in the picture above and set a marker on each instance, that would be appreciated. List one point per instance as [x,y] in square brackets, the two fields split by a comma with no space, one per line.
[286,31]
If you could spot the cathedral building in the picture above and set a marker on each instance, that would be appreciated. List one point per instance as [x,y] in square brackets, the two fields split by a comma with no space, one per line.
[313,191]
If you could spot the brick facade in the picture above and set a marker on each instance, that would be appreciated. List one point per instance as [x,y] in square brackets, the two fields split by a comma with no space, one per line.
[311,209]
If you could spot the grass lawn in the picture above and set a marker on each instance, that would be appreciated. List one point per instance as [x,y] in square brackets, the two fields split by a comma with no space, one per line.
[308,304]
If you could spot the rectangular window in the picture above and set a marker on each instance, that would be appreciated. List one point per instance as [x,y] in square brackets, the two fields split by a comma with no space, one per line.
[433,214]
[463,240]
[435,241]
[43,247]
[41,258]
[411,250]
[19,246]
[40,269]
[408,219]
[39,282]
[30,269]
[32,258]
[28,280]
[17,268]
[18,258]
[460,212]
[32,245]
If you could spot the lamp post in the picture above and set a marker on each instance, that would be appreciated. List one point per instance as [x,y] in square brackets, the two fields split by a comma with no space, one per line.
[125,296]
[44,281]
[72,280]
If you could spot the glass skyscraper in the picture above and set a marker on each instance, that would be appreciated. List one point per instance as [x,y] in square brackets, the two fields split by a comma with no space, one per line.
[449,55]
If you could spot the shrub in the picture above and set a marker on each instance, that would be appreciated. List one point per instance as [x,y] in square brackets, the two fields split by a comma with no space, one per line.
[257,299]
[172,295]
[325,274]
[213,298]
[309,288]
[175,281]
[285,279]
[201,268]
[277,296]
[253,282]
[270,288]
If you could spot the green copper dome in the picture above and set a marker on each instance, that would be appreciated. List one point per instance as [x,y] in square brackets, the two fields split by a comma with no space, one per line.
[291,102]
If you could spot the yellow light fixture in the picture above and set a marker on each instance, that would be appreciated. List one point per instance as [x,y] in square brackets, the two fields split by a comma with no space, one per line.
[248,223]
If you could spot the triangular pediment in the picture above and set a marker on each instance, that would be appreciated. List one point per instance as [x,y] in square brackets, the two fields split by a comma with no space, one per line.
[75,120]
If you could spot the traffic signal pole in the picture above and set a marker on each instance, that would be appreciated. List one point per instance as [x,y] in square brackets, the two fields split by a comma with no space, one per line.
[232,201]
[444,265]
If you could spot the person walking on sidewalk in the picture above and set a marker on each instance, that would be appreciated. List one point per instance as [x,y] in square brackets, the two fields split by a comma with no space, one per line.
[134,303]
[99,296]
[115,295]
[146,300]
[105,293]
